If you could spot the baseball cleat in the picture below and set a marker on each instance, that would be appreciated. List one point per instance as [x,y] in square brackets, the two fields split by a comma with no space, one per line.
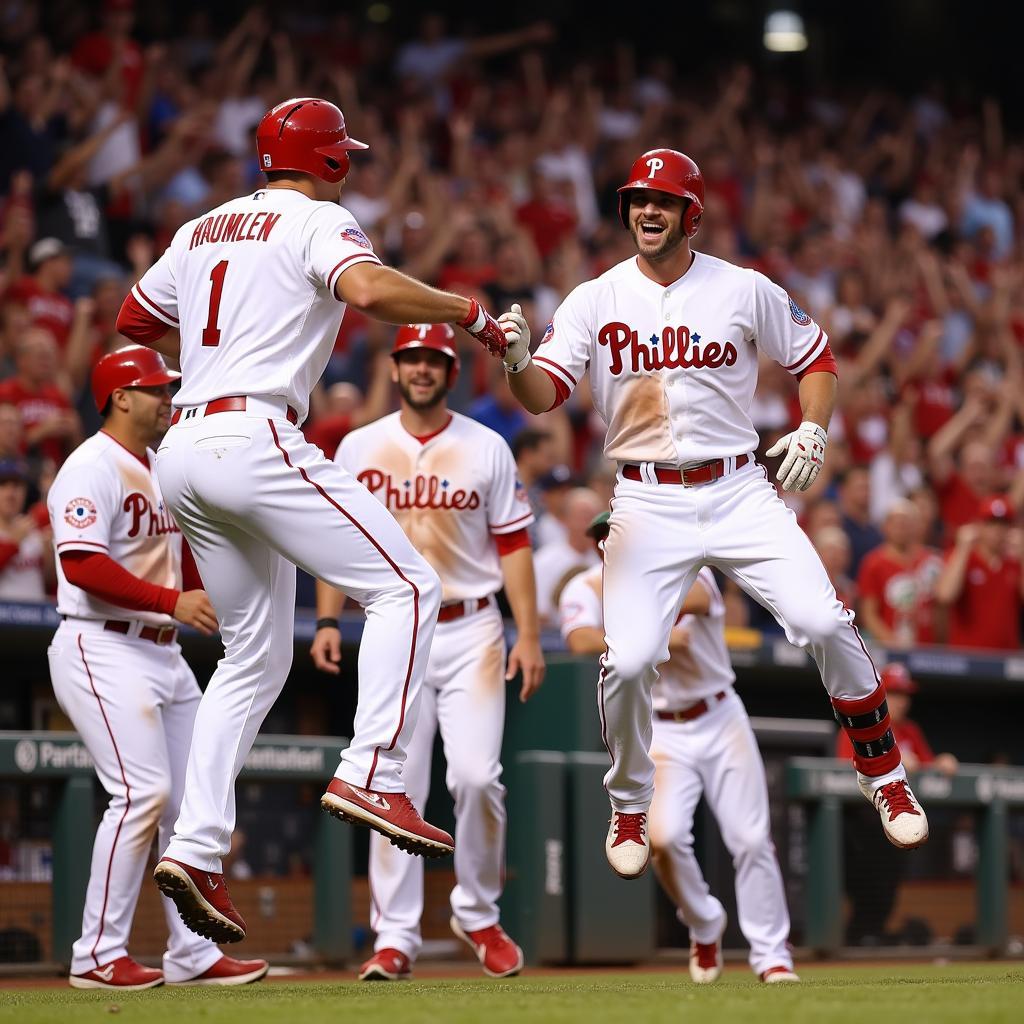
[706,958]
[202,900]
[626,846]
[903,819]
[229,971]
[123,974]
[390,814]
[386,965]
[499,956]
[779,975]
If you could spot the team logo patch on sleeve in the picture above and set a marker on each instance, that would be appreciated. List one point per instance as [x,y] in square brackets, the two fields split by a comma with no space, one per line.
[80,513]
[549,333]
[798,315]
[356,236]
[521,494]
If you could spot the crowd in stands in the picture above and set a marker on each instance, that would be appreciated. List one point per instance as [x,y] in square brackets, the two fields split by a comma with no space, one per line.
[895,220]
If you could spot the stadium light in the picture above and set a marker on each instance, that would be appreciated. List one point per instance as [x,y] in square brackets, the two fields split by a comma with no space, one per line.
[784,32]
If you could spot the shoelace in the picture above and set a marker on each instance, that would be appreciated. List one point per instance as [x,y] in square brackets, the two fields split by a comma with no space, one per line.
[630,827]
[707,954]
[898,799]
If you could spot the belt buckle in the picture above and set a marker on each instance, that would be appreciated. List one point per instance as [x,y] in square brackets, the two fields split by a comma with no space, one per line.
[163,631]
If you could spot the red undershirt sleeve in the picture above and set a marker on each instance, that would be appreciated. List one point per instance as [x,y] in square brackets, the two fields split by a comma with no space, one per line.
[135,322]
[506,543]
[98,574]
[7,551]
[824,363]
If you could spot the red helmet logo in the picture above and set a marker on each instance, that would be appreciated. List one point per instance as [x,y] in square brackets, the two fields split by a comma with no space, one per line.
[306,134]
[439,337]
[666,170]
[133,367]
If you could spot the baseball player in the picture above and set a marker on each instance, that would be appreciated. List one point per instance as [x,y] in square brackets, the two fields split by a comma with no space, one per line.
[117,669]
[451,483]
[256,290]
[703,744]
[671,338]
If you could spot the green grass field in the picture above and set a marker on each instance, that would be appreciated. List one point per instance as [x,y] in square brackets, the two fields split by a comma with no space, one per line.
[921,994]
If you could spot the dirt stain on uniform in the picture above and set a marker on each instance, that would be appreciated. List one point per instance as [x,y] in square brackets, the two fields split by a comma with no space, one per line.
[639,428]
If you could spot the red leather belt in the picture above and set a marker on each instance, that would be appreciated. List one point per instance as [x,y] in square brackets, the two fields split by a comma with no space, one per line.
[457,609]
[693,711]
[706,473]
[234,403]
[158,634]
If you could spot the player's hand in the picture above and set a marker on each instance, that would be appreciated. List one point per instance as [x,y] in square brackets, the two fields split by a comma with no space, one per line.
[482,326]
[194,609]
[805,455]
[526,657]
[517,335]
[945,763]
[966,536]
[326,649]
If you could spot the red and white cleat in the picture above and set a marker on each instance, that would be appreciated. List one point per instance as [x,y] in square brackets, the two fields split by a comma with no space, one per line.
[903,819]
[229,971]
[499,956]
[779,975]
[626,846]
[706,959]
[390,814]
[386,965]
[123,974]
[202,900]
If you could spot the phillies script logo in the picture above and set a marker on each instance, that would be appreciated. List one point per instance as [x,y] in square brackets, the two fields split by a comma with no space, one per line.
[156,522]
[675,347]
[419,492]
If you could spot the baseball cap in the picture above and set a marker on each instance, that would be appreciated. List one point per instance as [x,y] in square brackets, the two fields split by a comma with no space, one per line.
[599,524]
[13,469]
[45,249]
[996,507]
[896,678]
[557,476]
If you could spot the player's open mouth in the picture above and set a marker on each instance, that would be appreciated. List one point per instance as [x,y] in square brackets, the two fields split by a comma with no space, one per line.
[650,231]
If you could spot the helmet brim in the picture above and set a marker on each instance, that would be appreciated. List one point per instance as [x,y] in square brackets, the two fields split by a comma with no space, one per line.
[152,380]
[646,185]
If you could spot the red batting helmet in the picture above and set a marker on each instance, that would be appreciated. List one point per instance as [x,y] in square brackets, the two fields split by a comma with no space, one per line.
[133,367]
[439,337]
[305,134]
[666,170]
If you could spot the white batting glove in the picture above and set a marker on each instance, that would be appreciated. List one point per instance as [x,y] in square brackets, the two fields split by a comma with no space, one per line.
[517,334]
[805,455]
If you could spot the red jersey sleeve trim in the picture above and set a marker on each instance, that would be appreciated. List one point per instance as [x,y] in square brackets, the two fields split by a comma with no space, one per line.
[562,391]
[157,311]
[560,370]
[136,322]
[509,542]
[350,261]
[98,574]
[519,523]
[810,353]
[825,362]
[75,544]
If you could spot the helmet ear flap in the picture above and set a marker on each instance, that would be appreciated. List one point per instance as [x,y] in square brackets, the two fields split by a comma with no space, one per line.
[338,167]
[692,217]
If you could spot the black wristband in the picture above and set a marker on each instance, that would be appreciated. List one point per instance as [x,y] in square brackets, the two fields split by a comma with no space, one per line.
[327,624]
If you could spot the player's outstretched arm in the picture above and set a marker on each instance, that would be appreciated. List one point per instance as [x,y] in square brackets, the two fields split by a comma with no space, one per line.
[532,387]
[391,296]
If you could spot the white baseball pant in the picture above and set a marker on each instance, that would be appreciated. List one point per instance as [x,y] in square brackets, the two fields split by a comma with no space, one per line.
[254,500]
[464,697]
[133,702]
[659,537]
[717,755]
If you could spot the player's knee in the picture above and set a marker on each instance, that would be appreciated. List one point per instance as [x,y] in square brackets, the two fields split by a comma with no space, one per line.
[748,843]
[629,663]
[476,782]
[151,800]
[818,625]
[667,838]
[428,587]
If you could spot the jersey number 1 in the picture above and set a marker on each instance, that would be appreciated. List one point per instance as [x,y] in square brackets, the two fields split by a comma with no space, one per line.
[211,332]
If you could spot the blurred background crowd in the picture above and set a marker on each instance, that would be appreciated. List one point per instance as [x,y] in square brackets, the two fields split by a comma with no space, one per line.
[894,218]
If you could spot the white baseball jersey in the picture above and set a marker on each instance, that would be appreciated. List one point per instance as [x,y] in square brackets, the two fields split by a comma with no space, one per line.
[451,494]
[106,499]
[673,368]
[702,670]
[274,341]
